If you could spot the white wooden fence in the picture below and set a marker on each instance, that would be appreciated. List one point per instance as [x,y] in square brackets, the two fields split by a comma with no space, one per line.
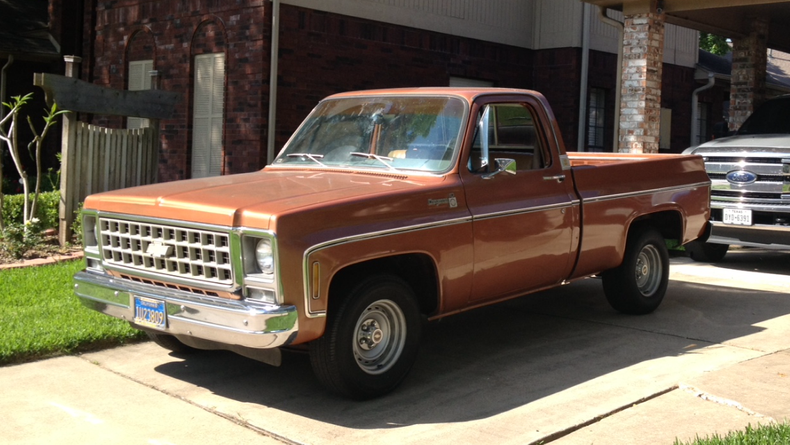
[96,159]
[109,159]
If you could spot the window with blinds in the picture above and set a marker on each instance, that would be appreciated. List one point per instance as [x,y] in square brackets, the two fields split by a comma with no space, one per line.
[139,79]
[595,119]
[207,113]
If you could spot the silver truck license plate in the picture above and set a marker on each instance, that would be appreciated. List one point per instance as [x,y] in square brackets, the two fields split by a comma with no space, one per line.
[739,217]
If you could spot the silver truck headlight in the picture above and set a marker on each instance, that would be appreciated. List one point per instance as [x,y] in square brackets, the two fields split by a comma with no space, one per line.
[264,256]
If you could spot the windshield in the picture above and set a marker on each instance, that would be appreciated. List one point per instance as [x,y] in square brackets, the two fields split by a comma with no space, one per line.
[388,133]
[772,117]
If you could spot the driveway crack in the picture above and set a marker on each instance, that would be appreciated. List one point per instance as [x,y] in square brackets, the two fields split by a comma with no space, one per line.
[562,433]
[708,397]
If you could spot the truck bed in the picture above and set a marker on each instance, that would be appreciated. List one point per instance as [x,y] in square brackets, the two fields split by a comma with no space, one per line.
[615,187]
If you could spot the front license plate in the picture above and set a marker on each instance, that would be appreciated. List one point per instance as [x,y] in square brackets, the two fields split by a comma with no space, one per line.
[739,217]
[150,312]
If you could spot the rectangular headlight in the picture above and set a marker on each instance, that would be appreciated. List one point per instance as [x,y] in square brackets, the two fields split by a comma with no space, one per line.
[89,238]
[260,257]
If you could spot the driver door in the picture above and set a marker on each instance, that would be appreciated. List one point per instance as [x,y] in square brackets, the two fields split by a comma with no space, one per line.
[524,215]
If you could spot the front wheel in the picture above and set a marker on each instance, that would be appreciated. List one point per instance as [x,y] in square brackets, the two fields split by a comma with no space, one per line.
[371,341]
[638,285]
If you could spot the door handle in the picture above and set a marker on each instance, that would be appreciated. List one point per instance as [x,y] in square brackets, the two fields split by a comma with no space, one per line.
[558,178]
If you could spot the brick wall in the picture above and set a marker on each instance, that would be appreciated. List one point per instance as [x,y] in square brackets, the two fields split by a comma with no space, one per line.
[558,76]
[323,53]
[749,58]
[320,54]
[643,50]
[172,33]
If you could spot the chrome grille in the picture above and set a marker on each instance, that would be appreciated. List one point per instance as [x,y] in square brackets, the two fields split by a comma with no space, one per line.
[186,253]
[772,182]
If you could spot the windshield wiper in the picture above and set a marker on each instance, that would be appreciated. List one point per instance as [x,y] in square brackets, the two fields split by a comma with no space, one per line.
[382,159]
[313,157]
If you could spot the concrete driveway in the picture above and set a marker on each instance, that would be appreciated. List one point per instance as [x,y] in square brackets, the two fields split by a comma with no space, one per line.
[559,367]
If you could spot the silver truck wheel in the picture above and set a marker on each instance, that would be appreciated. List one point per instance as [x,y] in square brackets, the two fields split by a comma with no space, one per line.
[648,270]
[371,339]
[638,285]
[380,337]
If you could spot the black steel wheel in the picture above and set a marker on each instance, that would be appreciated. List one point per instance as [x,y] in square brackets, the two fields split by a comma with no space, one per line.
[371,340]
[638,285]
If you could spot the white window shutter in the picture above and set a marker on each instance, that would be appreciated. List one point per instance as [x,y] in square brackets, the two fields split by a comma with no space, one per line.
[139,79]
[207,117]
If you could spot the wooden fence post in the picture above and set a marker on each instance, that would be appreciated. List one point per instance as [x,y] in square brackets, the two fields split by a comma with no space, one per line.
[154,128]
[68,172]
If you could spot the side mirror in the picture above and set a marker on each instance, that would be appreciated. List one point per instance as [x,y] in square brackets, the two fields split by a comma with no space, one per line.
[503,165]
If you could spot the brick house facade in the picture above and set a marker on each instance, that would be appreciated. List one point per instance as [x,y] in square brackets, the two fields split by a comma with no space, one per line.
[321,53]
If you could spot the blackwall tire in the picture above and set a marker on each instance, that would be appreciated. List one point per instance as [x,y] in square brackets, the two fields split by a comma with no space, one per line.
[706,252]
[638,285]
[371,340]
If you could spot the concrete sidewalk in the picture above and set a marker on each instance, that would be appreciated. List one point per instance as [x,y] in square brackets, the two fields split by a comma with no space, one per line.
[69,400]
[559,367]
[753,392]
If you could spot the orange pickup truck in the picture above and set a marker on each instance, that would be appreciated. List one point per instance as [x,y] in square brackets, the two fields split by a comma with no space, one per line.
[383,209]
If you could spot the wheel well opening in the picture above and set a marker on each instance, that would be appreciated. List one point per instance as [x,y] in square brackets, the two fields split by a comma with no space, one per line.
[417,270]
[668,223]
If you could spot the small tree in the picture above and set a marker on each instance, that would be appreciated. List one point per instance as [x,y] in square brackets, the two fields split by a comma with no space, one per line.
[714,44]
[9,136]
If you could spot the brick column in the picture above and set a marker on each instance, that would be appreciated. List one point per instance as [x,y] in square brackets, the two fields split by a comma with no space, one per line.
[747,84]
[643,58]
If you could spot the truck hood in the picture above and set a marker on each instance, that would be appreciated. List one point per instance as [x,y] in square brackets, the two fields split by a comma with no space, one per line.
[251,199]
[770,144]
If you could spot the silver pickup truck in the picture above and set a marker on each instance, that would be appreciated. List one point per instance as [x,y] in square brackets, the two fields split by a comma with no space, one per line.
[750,184]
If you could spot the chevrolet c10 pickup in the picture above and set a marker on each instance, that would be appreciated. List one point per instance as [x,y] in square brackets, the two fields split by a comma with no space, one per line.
[385,209]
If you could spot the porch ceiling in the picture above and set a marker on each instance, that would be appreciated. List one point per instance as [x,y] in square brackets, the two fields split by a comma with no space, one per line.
[727,18]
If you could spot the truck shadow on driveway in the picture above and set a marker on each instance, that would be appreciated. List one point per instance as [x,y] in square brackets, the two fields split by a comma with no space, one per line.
[756,260]
[486,362]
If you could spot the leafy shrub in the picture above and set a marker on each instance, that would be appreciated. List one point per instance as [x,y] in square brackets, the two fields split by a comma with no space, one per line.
[46,210]
[76,226]
[17,239]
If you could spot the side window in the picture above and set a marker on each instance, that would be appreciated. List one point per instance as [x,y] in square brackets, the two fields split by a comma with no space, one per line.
[510,134]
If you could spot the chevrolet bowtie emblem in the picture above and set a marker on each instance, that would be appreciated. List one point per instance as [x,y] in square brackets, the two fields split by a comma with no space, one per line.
[157,249]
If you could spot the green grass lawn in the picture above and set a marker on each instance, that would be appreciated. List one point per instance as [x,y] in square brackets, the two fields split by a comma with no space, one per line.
[40,316]
[771,434]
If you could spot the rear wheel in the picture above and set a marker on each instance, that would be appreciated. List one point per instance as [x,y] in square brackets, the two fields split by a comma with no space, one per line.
[371,341]
[638,285]
[706,252]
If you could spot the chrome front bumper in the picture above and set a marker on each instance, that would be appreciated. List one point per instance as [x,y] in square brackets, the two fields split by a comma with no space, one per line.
[229,322]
